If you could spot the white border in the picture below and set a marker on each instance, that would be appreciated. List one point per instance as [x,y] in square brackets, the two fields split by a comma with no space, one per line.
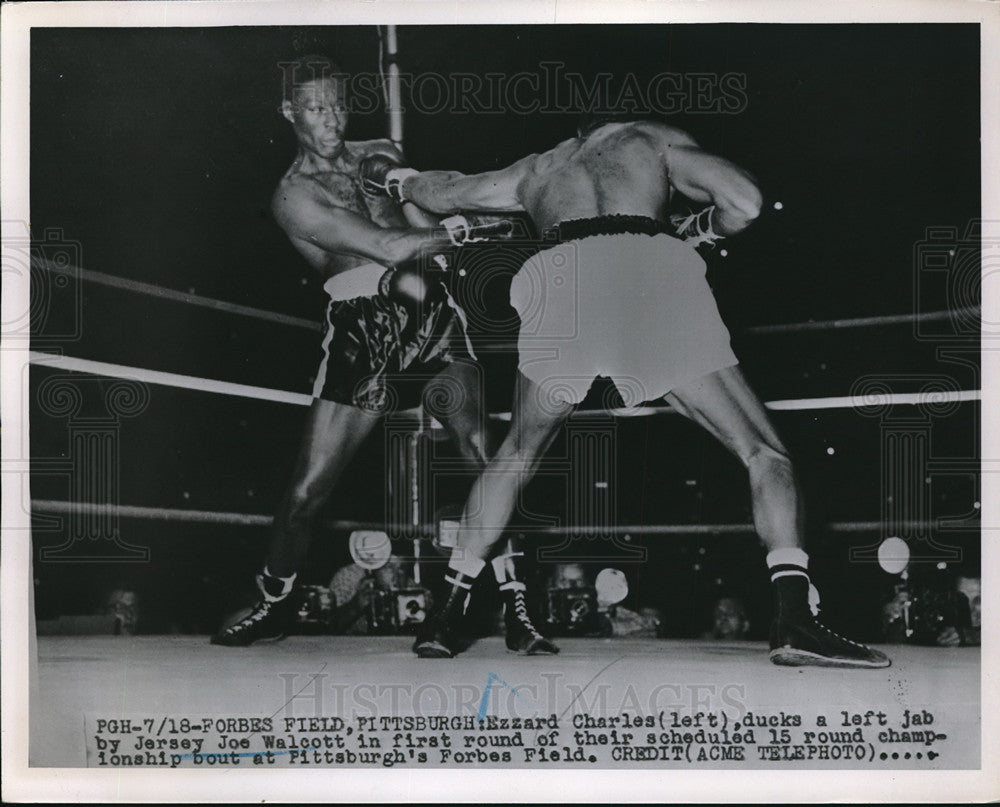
[47,784]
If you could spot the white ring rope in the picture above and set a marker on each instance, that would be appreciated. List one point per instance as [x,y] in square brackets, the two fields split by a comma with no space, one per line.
[300,399]
[161,378]
[56,507]
[191,382]
[152,290]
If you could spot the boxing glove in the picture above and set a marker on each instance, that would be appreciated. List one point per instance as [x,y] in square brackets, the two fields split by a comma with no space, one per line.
[383,176]
[413,285]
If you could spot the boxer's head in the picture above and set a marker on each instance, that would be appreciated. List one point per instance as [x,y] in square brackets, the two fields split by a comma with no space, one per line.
[315,103]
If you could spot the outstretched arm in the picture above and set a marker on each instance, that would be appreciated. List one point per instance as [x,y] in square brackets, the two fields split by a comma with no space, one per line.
[415,216]
[708,178]
[450,191]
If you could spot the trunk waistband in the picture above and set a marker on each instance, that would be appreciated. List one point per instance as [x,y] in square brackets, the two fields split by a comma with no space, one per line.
[573,229]
[361,281]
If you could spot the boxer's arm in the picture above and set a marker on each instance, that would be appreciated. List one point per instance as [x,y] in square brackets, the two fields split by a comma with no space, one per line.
[311,218]
[415,216]
[708,178]
[451,192]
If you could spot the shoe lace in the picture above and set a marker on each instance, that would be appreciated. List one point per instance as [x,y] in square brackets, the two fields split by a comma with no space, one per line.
[835,635]
[256,615]
[521,614]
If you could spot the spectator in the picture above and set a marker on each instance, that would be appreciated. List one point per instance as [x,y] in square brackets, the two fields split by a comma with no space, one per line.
[354,593]
[934,609]
[729,620]
[123,605]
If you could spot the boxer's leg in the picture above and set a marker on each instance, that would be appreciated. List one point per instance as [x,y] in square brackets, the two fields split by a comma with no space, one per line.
[535,420]
[534,423]
[521,634]
[725,405]
[465,423]
[333,433]
[455,396]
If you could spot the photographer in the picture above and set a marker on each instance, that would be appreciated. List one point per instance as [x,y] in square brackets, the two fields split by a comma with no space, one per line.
[936,608]
[355,592]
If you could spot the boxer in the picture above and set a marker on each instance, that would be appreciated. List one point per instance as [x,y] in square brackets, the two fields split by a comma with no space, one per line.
[392,333]
[639,311]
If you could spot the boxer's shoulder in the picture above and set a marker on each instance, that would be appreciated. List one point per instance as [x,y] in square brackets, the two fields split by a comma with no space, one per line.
[293,189]
[366,148]
[662,133]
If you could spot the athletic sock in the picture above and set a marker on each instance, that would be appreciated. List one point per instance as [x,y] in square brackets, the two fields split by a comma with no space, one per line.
[794,591]
[465,563]
[786,562]
[506,571]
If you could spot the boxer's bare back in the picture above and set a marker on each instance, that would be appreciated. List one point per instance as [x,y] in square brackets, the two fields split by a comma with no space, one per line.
[624,169]
[620,169]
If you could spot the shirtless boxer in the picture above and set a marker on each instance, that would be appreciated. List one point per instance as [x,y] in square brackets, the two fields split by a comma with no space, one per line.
[633,305]
[391,335]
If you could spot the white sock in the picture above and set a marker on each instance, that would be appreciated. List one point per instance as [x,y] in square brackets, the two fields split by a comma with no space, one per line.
[465,562]
[788,561]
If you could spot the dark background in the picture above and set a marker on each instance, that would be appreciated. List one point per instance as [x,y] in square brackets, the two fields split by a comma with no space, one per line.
[153,157]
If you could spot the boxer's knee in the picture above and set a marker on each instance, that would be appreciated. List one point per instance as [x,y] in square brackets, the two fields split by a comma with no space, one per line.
[303,501]
[475,448]
[769,462]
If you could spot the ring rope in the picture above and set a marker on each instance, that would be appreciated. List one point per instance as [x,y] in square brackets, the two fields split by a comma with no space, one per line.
[299,322]
[165,379]
[176,296]
[863,322]
[190,382]
[57,507]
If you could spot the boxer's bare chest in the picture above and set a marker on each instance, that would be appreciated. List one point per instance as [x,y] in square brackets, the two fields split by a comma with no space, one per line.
[343,190]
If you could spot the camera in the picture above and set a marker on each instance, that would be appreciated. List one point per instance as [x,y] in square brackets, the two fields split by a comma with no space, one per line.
[398,610]
[315,614]
[572,611]
[932,610]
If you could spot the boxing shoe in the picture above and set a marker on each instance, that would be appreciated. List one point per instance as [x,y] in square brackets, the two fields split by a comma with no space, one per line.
[269,620]
[522,636]
[809,643]
[799,639]
[438,637]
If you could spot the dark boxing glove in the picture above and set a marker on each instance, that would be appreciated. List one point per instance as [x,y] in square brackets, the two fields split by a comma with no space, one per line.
[415,285]
[383,176]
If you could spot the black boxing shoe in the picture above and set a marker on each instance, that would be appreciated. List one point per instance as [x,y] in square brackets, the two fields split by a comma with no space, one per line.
[270,619]
[437,640]
[806,642]
[522,636]
[438,637]
[799,639]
